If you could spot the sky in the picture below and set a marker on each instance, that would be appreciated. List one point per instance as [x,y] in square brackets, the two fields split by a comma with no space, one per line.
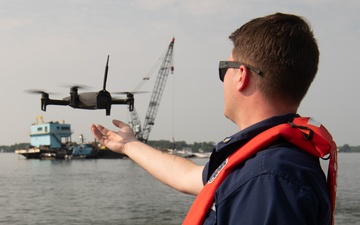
[51,45]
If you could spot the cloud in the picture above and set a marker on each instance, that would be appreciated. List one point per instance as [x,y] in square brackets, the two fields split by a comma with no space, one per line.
[8,24]
[153,4]
[204,7]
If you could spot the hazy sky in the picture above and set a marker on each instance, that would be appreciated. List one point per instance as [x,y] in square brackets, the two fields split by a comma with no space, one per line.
[48,44]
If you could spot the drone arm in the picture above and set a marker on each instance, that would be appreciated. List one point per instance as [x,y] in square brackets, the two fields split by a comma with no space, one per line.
[119,102]
[127,101]
[47,101]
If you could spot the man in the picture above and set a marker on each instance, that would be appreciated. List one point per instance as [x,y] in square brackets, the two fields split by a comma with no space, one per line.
[273,62]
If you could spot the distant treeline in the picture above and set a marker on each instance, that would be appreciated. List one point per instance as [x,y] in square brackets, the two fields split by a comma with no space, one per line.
[12,148]
[162,144]
[179,145]
[348,148]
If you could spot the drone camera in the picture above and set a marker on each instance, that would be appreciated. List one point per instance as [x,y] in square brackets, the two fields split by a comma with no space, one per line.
[103,101]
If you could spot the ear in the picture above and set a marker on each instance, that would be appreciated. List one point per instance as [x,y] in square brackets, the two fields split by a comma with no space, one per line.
[244,78]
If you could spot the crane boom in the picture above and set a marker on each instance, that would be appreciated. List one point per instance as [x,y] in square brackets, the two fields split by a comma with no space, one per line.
[165,68]
[135,123]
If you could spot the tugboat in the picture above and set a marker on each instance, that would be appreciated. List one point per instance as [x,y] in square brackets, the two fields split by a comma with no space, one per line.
[83,150]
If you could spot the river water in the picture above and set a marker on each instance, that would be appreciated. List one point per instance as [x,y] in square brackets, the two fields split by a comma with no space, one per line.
[117,191]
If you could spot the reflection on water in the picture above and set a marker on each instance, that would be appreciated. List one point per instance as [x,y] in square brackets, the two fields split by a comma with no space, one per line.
[117,192]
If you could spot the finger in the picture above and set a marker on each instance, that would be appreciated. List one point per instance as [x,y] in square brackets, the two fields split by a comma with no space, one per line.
[94,129]
[100,132]
[96,132]
[119,124]
[102,129]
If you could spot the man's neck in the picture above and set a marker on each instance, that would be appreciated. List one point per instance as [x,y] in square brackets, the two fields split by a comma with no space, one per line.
[261,110]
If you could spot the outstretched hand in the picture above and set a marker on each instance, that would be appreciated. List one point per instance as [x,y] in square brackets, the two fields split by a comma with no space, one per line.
[114,140]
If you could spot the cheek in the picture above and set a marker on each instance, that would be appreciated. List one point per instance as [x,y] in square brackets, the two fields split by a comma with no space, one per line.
[230,99]
[227,101]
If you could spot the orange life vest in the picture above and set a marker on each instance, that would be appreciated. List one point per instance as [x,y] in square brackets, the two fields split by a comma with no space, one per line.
[303,132]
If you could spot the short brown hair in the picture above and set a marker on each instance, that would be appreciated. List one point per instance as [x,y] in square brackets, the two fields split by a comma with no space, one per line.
[283,47]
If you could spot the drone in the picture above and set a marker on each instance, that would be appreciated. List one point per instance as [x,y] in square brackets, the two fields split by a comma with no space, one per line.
[88,100]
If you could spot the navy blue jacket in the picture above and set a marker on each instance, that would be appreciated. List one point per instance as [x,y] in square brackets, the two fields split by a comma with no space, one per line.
[279,185]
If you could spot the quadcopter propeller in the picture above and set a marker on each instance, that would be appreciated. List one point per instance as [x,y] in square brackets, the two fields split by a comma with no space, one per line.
[45,100]
[129,92]
[77,86]
[35,91]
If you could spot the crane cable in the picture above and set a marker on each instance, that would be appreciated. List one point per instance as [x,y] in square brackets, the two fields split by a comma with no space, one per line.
[173,95]
[150,73]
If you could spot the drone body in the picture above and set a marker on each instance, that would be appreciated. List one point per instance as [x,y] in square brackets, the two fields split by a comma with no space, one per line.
[89,100]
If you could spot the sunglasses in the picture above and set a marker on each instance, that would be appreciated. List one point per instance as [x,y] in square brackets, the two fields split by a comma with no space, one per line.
[225,65]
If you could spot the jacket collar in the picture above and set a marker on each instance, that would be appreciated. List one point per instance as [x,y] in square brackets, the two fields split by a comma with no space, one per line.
[230,144]
[248,133]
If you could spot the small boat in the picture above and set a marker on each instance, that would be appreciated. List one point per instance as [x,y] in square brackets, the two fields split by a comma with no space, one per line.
[83,151]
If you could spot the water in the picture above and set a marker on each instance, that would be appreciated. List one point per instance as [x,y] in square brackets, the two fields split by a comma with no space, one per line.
[117,192]
[85,192]
[348,192]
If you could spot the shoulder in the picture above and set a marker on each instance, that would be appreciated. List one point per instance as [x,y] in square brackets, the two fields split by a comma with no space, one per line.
[278,178]
[283,162]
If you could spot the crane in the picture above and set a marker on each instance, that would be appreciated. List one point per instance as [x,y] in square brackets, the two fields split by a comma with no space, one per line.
[142,133]
[41,118]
